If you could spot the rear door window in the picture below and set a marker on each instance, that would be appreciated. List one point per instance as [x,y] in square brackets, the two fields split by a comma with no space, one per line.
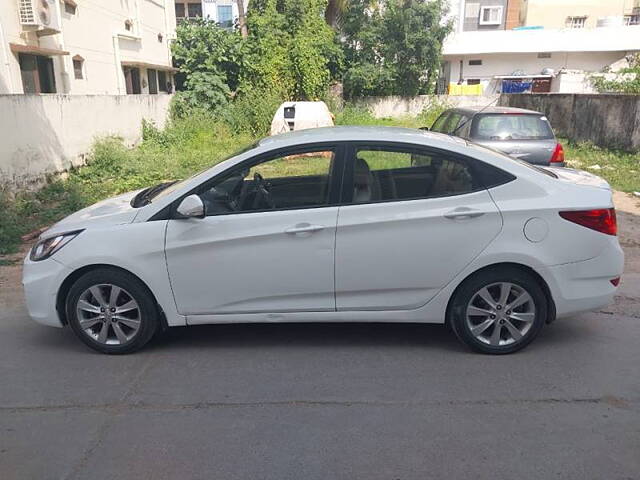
[511,127]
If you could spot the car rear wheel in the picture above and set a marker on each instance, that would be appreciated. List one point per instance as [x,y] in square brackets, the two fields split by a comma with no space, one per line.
[111,311]
[498,311]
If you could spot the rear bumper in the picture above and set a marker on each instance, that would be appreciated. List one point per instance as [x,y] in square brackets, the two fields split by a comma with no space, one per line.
[584,286]
[41,282]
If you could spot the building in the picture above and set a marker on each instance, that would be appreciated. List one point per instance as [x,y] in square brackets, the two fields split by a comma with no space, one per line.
[536,45]
[223,12]
[86,47]
[485,15]
[544,60]
[579,13]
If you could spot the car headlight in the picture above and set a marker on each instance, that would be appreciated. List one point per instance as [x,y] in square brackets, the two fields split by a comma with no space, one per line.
[48,246]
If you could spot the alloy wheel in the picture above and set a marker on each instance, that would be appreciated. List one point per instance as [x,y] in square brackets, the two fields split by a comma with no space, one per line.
[500,314]
[108,314]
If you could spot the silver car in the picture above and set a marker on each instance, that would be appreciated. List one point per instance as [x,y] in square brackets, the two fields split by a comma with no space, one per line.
[523,134]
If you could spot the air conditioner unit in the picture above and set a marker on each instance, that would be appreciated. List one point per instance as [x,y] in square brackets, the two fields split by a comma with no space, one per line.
[42,15]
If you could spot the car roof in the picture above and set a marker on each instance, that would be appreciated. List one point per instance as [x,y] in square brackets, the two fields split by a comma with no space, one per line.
[360,134]
[494,110]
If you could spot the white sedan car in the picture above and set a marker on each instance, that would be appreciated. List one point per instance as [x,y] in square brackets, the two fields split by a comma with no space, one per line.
[344,224]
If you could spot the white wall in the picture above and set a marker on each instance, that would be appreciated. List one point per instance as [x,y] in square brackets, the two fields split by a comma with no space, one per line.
[44,134]
[395,106]
[90,34]
[507,63]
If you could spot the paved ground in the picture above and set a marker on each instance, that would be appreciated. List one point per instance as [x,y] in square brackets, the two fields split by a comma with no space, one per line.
[324,401]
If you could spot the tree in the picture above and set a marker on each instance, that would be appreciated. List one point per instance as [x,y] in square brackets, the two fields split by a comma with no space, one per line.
[290,48]
[334,11]
[392,47]
[210,59]
[242,19]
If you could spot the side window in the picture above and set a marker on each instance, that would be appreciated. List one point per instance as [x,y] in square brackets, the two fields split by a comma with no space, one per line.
[294,181]
[384,174]
[439,123]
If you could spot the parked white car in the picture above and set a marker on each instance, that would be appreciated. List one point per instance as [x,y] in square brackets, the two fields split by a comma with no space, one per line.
[343,224]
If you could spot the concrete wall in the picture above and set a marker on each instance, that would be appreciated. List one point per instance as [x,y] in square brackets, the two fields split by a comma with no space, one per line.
[394,106]
[45,134]
[605,120]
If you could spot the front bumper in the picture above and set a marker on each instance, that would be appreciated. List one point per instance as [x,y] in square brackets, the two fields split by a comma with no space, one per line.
[41,282]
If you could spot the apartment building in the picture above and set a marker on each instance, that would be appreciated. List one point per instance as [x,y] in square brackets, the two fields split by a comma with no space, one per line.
[536,45]
[579,13]
[86,46]
[223,12]
[485,15]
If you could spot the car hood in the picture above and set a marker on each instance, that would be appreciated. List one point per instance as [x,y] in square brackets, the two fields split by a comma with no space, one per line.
[579,177]
[112,211]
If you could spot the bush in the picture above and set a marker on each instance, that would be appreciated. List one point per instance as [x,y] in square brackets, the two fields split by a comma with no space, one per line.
[252,112]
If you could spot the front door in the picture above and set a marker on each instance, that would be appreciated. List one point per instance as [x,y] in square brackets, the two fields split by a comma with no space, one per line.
[266,244]
[416,220]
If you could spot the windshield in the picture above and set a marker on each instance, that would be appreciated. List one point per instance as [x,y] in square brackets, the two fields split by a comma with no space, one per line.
[511,127]
[172,187]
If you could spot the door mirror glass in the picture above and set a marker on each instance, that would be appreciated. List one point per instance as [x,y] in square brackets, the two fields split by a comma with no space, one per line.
[191,207]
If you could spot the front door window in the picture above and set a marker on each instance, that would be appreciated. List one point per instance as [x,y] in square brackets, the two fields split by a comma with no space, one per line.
[281,183]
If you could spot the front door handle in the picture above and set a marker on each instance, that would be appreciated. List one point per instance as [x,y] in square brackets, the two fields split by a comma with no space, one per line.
[463,213]
[304,228]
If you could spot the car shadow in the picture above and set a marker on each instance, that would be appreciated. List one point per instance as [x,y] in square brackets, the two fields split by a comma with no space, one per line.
[307,334]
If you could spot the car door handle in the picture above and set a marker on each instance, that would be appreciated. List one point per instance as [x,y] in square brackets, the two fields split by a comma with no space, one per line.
[463,213]
[304,228]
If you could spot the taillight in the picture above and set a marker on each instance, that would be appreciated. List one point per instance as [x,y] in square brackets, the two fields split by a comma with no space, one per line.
[602,219]
[558,154]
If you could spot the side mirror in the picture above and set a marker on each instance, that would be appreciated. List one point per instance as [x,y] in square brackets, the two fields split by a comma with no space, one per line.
[425,128]
[191,207]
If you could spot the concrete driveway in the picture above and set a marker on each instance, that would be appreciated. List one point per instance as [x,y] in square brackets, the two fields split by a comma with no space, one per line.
[324,401]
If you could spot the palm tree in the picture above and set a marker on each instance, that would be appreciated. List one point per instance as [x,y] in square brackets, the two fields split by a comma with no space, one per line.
[334,11]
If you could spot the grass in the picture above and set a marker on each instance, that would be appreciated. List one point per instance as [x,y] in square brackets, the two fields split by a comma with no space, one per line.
[189,145]
[620,169]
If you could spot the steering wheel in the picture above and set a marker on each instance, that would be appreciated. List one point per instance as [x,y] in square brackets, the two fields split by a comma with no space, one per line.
[261,189]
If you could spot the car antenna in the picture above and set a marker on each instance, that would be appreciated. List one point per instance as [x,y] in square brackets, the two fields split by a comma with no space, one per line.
[479,111]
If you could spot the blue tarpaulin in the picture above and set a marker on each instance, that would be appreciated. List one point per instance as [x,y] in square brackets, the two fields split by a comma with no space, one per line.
[511,86]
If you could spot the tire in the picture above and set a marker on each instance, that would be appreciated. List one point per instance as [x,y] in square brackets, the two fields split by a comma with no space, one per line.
[482,319]
[114,300]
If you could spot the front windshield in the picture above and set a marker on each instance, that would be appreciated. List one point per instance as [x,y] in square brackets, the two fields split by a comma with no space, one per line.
[172,187]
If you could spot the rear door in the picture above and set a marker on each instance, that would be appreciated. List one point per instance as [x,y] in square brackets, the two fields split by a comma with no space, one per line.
[413,219]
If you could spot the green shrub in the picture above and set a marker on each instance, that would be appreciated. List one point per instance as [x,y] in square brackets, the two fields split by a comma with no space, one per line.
[252,112]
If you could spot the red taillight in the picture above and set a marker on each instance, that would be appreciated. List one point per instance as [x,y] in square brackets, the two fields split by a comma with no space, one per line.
[558,154]
[602,220]
[615,281]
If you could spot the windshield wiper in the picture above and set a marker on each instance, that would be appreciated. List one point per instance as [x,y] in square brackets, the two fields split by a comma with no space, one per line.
[145,196]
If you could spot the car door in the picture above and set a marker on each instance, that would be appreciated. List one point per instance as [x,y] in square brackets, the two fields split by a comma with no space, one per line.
[415,219]
[266,243]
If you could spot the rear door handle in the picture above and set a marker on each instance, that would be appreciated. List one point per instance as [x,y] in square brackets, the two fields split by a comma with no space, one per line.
[463,213]
[304,228]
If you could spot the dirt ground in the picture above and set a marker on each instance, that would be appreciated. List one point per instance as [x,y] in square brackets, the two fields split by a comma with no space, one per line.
[627,301]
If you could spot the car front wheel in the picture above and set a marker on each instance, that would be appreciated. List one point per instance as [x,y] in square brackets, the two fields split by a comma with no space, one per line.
[111,311]
[498,311]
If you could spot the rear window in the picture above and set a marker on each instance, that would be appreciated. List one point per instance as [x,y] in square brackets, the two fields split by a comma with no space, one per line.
[511,127]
